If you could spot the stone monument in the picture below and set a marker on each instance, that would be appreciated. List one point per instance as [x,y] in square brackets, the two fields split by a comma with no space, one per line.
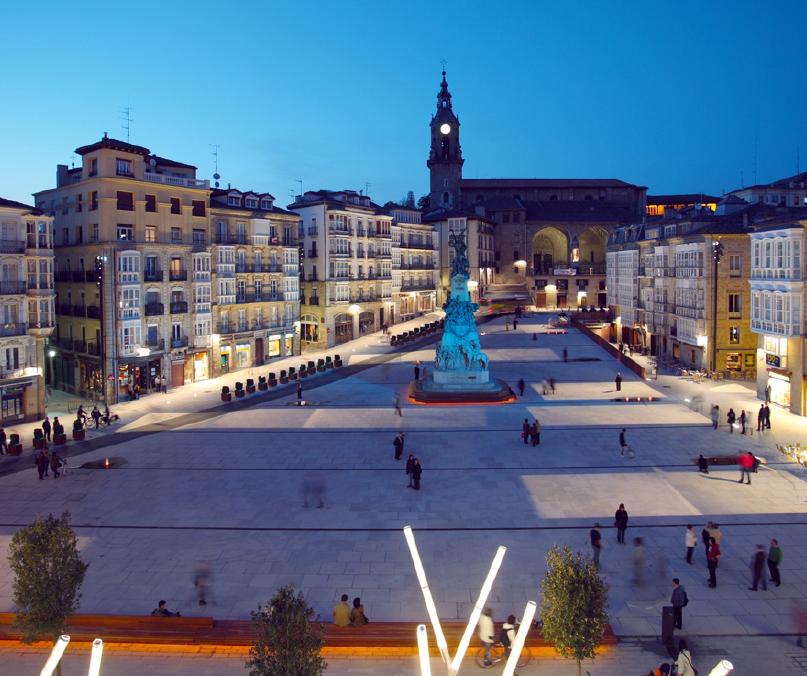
[461,373]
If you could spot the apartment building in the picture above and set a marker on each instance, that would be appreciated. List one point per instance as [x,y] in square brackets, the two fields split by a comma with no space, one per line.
[347,267]
[777,311]
[415,254]
[129,225]
[784,192]
[670,299]
[26,296]
[256,271]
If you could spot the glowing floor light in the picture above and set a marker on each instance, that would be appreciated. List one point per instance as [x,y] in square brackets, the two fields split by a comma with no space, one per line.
[521,636]
[423,651]
[55,655]
[431,609]
[477,611]
[95,657]
[722,668]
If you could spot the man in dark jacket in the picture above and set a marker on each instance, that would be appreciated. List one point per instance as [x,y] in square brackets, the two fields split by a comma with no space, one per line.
[618,381]
[46,428]
[417,470]
[621,523]
[399,445]
[678,600]
[758,569]
[41,464]
[525,430]
[521,387]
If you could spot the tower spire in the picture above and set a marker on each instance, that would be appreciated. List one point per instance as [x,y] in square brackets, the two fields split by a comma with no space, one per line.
[444,96]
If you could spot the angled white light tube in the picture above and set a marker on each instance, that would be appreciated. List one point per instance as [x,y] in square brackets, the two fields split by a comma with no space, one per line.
[431,609]
[95,658]
[722,668]
[423,651]
[477,611]
[521,636]
[55,655]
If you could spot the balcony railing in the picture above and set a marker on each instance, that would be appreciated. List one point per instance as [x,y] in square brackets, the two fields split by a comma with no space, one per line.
[342,254]
[179,342]
[228,238]
[12,288]
[79,310]
[92,348]
[411,244]
[64,309]
[156,344]
[152,275]
[14,329]
[12,246]
[776,273]
[93,312]
[417,286]
[153,309]
[312,253]
[417,266]
[177,275]
[775,328]
[179,181]
[179,307]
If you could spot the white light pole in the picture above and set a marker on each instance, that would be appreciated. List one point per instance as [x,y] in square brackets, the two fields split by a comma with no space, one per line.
[521,636]
[423,651]
[477,611]
[95,657]
[55,655]
[431,609]
[722,668]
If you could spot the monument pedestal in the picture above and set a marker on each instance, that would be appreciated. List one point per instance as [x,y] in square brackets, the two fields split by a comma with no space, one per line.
[460,387]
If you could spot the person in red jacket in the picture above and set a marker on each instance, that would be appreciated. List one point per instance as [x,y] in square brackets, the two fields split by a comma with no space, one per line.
[746,461]
[712,557]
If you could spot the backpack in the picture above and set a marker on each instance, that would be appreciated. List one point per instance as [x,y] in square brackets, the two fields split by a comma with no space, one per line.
[504,639]
[686,599]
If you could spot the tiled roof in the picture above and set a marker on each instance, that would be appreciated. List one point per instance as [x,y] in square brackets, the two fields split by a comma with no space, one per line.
[579,210]
[478,183]
[11,204]
[218,199]
[113,144]
[165,162]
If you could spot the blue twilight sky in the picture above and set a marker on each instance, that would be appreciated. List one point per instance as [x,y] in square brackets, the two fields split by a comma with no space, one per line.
[672,95]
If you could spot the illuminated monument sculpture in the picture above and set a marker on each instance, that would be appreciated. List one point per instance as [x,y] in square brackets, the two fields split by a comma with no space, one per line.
[461,373]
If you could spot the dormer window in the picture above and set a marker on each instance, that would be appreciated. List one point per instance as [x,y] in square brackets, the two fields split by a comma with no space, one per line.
[266,204]
[233,201]
[252,203]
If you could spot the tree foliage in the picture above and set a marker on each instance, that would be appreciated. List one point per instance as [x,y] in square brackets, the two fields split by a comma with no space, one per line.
[424,202]
[48,573]
[288,642]
[574,604]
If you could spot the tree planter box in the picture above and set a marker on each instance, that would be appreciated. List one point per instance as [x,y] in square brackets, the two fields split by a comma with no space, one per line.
[226,397]
[328,363]
[303,370]
[272,382]
[262,384]
[39,443]
[312,368]
[78,435]
[284,378]
[15,449]
[320,365]
[59,439]
[337,361]
[240,394]
[292,373]
[250,386]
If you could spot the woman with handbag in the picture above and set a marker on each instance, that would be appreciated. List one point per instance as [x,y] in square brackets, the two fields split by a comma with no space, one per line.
[683,665]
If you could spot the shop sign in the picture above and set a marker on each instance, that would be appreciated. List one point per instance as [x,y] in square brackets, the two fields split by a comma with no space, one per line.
[773,360]
[565,272]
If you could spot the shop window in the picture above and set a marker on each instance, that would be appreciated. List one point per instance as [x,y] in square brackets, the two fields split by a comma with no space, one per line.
[734,335]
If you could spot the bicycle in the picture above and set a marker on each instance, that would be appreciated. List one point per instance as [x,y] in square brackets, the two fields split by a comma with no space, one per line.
[497,654]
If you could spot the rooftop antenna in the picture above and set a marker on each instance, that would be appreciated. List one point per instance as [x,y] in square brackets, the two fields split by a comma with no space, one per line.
[742,179]
[73,162]
[367,185]
[292,195]
[443,63]
[755,159]
[126,116]
[798,163]
[300,181]
[215,155]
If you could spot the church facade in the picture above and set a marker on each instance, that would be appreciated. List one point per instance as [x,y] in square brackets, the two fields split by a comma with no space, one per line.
[548,235]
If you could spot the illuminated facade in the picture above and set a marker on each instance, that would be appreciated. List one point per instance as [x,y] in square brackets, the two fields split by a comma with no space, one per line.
[658,205]
[415,253]
[347,267]
[26,287]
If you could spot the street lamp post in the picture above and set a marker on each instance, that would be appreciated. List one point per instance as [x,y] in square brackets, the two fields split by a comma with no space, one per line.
[99,282]
[717,253]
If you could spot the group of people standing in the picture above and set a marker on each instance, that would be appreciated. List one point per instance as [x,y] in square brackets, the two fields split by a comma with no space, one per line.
[413,467]
[745,421]
[45,460]
[531,433]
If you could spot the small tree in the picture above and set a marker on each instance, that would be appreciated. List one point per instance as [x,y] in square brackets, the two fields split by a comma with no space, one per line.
[48,573]
[573,608]
[288,642]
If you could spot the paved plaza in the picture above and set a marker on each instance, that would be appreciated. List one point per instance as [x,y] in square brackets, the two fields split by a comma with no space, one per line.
[226,489]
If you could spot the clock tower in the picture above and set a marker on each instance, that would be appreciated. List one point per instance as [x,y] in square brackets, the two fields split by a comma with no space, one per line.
[445,157]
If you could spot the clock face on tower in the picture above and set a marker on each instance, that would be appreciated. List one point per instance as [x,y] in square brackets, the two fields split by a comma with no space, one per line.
[445,128]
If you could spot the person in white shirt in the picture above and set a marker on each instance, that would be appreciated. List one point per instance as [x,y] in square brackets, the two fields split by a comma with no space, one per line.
[486,633]
[684,662]
[691,540]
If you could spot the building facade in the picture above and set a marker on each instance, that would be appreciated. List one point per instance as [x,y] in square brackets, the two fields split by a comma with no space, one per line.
[415,257]
[255,259]
[347,267]
[671,300]
[777,312]
[784,192]
[28,314]
[548,235]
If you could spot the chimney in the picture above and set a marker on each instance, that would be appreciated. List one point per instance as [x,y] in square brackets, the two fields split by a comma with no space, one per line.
[61,175]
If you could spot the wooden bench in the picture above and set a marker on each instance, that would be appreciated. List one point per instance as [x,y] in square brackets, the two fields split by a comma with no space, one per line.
[197,631]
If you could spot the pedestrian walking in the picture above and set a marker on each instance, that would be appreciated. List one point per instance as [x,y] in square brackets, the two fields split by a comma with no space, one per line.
[525,431]
[621,523]
[417,370]
[746,462]
[761,418]
[544,386]
[299,391]
[506,324]
[623,443]
[618,381]
[410,466]
[3,442]
[705,535]
[41,464]
[596,543]
[768,394]
[683,663]
[95,414]
[552,385]
[703,464]
[398,443]
[767,417]
[521,387]
[774,559]
[486,631]
[55,464]
[758,569]
[565,355]
[46,451]
[690,539]
[46,428]
[712,558]
[679,600]
[638,561]
[396,402]
[743,420]
[535,433]
[515,324]
[201,581]
[715,416]
[417,471]
[731,418]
